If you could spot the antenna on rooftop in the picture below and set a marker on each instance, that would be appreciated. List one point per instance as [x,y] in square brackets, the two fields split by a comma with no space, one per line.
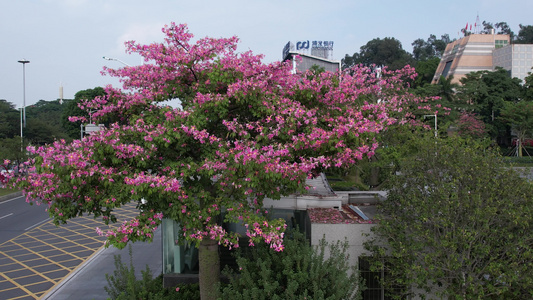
[60,92]
[477,25]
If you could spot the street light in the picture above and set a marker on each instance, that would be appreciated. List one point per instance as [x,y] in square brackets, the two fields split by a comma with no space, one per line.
[115,59]
[23,111]
[435,116]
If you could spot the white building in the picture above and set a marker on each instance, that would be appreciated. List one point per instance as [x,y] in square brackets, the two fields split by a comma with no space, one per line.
[517,59]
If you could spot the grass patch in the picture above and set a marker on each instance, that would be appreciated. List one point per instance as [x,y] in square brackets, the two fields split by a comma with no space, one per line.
[344,183]
[524,161]
[342,186]
[4,191]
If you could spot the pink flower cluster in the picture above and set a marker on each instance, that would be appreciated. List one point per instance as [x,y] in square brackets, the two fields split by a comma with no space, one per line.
[217,233]
[137,229]
[270,232]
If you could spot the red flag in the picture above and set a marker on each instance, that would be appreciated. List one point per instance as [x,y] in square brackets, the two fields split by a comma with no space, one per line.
[470,27]
[466,28]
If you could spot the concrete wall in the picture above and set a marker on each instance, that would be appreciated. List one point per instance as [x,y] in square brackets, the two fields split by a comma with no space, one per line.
[355,234]
[302,202]
[516,58]
[308,62]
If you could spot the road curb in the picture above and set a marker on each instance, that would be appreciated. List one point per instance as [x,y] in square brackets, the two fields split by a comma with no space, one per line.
[10,196]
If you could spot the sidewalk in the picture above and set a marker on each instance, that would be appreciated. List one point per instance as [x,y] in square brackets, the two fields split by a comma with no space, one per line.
[88,280]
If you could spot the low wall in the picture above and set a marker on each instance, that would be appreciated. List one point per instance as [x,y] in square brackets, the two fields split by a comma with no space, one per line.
[355,234]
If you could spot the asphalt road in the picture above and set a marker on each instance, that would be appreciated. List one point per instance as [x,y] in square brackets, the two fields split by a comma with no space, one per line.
[17,216]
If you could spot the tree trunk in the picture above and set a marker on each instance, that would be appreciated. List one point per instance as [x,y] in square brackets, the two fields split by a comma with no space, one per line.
[209,265]
[374,174]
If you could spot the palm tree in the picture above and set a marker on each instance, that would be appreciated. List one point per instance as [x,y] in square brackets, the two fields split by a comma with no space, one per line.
[446,89]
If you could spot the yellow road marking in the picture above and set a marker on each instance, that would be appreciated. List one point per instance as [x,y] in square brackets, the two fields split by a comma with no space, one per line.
[45,242]
[17,284]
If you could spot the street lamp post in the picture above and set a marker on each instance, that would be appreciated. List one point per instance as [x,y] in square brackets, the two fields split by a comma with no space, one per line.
[23,111]
[115,59]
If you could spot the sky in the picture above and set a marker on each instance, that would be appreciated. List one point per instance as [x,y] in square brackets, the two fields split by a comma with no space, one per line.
[65,40]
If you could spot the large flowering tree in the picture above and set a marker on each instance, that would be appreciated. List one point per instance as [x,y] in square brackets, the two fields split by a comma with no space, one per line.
[245,131]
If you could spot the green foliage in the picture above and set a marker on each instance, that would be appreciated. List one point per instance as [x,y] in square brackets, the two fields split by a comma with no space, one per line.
[470,125]
[487,92]
[520,117]
[432,48]
[499,28]
[71,109]
[42,127]
[385,164]
[446,90]
[426,70]
[10,149]
[381,52]
[525,35]
[10,141]
[43,122]
[123,282]
[9,120]
[524,161]
[457,223]
[528,87]
[346,186]
[299,272]
[4,191]
[342,179]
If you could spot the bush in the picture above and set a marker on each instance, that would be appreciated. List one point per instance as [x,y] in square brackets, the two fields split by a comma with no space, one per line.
[299,272]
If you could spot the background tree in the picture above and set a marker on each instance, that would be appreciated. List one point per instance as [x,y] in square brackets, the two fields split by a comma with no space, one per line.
[9,120]
[427,55]
[432,47]
[503,28]
[10,141]
[487,27]
[425,70]
[349,61]
[525,35]
[457,223]
[487,91]
[528,87]
[470,125]
[10,149]
[447,104]
[520,117]
[446,90]
[245,131]
[499,28]
[380,52]
[42,126]
[43,122]
[71,109]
